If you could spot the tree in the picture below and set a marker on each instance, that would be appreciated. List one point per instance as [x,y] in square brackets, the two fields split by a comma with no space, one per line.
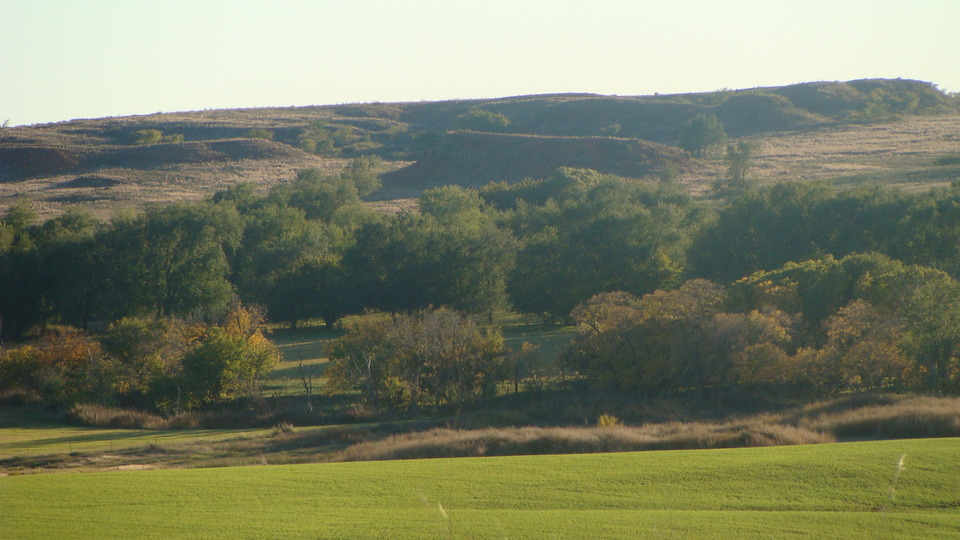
[275,240]
[364,172]
[65,366]
[864,343]
[229,361]
[738,162]
[702,133]
[22,305]
[412,262]
[318,194]
[313,287]
[437,356]
[615,235]
[148,350]
[172,259]
[260,133]
[453,205]
[360,360]
[481,120]
[627,343]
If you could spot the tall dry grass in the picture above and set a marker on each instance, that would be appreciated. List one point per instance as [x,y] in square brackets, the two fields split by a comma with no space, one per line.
[863,416]
[89,414]
[577,440]
[906,417]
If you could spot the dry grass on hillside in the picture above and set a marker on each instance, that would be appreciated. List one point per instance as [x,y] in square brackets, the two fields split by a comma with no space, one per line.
[900,153]
[134,189]
[857,149]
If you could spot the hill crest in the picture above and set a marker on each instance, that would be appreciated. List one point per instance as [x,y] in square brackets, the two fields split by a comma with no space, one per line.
[632,136]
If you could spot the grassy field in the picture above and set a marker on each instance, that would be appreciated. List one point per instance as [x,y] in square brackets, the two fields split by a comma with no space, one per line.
[300,348]
[903,489]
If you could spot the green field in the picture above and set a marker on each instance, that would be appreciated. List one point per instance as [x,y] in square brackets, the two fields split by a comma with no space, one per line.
[851,490]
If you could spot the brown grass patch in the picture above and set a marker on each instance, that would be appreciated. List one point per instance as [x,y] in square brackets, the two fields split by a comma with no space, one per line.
[910,417]
[578,440]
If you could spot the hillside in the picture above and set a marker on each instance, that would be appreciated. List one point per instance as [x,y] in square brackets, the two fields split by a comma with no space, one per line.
[473,159]
[100,164]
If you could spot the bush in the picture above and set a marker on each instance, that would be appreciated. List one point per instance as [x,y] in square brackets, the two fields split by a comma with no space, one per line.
[480,120]
[608,420]
[154,136]
[701,133]
[260,133]
[147,136]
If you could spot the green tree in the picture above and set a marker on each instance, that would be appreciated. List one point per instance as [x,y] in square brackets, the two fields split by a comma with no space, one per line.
[364,173]
[229,361]
[172,259]
[702,133]
[738,160]
[318,195]
[481,120]
[411,262]
[260,133]
[453,205]
[276,238]
[149,351]
[615,235]
[314,287]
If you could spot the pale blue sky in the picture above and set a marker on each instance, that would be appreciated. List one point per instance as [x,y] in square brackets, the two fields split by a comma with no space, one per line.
[65,59]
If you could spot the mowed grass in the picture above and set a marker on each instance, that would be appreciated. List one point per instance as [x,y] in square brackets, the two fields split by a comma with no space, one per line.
[303,355]
[850,490]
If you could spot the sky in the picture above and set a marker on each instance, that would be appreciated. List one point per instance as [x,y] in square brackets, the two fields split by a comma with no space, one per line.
[68,59]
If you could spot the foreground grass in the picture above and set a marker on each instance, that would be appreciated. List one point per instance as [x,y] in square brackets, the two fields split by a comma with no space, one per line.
[827,491]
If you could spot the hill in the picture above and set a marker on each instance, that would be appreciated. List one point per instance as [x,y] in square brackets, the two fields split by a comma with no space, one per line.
[107,164]
[472,159]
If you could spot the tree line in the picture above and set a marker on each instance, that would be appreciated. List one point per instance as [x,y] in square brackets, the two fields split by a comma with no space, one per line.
[309,249]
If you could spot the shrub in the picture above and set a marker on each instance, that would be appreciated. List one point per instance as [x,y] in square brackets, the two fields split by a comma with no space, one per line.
[260,133]
[281,427]
[608,420]
[154,136]
[480,120]
[147,136]
[701,133]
